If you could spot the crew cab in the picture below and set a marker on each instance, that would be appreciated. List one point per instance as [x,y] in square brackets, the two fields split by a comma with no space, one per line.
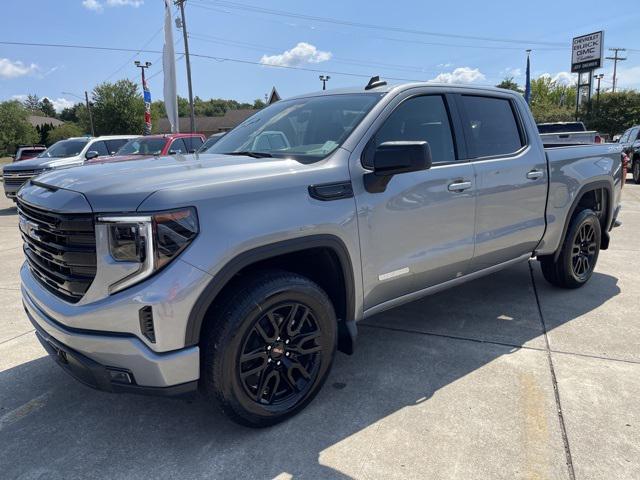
[25,152]
[155,145]
[240,271]
[63,154]
[630,142]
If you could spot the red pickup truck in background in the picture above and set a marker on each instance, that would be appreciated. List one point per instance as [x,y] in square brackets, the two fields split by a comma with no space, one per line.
[154,145]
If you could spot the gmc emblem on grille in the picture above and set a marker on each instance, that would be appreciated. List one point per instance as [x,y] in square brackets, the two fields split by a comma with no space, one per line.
[30,229]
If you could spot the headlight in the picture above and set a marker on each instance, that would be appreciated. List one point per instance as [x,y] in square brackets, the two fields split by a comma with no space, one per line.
[147,243]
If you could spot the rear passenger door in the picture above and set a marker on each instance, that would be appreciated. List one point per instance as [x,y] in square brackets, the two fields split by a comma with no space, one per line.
[510,179]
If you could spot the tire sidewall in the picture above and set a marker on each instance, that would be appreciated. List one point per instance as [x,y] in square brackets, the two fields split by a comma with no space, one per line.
[635,170]
[232,341]
[585,216]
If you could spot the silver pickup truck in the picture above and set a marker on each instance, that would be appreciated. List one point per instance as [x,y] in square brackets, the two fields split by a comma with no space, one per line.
[242,270]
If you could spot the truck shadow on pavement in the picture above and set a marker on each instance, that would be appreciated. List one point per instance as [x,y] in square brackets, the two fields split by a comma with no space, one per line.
[53,427]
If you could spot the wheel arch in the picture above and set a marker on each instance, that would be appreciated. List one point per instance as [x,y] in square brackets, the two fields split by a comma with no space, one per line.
[585,191]
[275,255]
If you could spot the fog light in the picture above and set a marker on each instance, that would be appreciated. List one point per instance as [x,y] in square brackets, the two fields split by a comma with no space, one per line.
[118,376]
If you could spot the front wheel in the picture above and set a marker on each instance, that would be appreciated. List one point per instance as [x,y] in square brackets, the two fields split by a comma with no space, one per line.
[269,348]
[578,255]
[636,170]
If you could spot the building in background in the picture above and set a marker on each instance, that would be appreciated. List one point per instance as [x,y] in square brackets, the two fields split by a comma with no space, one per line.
[210,125]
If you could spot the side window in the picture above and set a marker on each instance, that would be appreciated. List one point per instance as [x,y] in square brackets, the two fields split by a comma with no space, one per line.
[99,147]
[178,146]
[421,118]
[637,136]
[491,126]
[192,143]
[114,145]
[625,136]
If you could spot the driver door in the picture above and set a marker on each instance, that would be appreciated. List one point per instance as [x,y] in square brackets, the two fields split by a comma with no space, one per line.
[419,231]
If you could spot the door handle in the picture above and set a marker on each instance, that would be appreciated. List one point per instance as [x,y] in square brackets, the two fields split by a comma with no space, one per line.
[535,174]
[459,186]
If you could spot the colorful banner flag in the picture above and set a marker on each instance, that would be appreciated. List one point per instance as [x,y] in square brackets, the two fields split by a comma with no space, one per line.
[527,88]
[147,107]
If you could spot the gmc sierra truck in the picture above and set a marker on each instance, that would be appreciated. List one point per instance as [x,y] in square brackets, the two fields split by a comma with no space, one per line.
[242,270]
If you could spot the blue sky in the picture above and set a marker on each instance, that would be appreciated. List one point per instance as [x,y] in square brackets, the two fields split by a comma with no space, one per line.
[232,30]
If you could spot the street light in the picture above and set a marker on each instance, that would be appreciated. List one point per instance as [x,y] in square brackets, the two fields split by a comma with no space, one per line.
[86,99]
[147,97]
[324,79]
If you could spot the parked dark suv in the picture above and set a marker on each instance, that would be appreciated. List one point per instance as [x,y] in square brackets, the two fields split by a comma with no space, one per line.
[630,141]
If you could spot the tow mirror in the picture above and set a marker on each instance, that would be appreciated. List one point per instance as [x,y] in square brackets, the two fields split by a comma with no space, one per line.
[91,154]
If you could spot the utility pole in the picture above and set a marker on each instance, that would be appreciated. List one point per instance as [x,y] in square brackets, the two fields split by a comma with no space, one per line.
[324,79]
[598,78]
[86,99]
[180,3]
[616,59]
[147,97]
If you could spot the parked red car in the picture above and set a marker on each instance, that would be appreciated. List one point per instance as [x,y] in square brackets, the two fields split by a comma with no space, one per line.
[155,145]
[25,152]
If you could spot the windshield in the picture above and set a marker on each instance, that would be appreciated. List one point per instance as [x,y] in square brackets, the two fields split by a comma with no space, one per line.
[209,143]
[305,128]
[65,148]
[143,146]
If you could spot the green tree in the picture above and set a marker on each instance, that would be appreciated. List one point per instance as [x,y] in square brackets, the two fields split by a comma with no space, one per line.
[552,101]
[70,114]
[614,112]
[64,131]
[507,83]
[258,104]
[15,128]
[117,108]
[46,107]
[32,102]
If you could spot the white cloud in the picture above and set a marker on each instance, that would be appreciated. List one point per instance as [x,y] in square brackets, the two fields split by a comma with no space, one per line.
[11,69]
[94,5]
[61,103]
[511,72]
[460,75]
[562,78]
[98,5]
[626,78]
[21,97]
[299,55]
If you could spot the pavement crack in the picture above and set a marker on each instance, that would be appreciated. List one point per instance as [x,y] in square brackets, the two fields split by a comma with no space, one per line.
[554,381]
[17,336]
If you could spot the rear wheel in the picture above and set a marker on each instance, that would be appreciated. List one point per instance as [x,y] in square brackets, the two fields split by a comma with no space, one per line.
[269,349]
[578,255]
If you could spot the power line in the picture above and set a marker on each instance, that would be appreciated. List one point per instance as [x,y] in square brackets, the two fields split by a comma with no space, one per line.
[369,26]
[129,60]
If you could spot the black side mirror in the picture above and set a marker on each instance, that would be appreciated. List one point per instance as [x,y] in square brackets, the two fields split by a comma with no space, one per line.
[394,158]
[91,154]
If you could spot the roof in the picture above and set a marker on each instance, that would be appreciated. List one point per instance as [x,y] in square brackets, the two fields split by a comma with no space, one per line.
[115,137]
[173,135]
[231,119]
[38,121]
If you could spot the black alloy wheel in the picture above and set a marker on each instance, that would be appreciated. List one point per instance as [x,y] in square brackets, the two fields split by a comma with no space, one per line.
[280,357]
[584,251]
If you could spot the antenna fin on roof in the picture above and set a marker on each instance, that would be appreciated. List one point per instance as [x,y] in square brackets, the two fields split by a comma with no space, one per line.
[375,82]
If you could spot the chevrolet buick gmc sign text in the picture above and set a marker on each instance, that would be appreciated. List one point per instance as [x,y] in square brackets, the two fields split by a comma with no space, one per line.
[586,52]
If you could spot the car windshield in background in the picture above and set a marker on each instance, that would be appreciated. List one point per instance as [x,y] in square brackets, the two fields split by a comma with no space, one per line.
[213,139]
[143,146]
[65,148]
[304,129]
[561,127]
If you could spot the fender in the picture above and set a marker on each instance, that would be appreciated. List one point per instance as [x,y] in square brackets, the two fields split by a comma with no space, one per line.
[608,186]
[226,273]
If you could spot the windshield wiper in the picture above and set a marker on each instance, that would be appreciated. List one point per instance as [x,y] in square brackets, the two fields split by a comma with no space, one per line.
[250,154]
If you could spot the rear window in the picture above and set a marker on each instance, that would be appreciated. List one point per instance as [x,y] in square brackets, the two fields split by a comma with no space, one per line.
[561,127]
[491,126]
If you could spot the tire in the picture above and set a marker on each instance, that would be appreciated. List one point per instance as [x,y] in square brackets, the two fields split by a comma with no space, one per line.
[268,348]
[578,255]
[636,170]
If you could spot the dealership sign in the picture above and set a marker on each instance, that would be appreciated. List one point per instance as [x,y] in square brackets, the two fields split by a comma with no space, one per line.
[586,52]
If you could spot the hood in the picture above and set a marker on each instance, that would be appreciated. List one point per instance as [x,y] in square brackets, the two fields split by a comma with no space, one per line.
[43,163]
[116,158]
[122,186]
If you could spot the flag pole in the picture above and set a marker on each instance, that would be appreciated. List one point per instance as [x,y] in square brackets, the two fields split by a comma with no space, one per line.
[527,88]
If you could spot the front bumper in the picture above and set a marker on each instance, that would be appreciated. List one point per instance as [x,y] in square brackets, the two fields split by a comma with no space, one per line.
[91,356]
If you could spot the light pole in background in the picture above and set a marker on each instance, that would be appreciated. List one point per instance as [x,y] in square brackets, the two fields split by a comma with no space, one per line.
[598,78]
[324,79]
[147,97]
[86,99]
[183,25]
[616,59]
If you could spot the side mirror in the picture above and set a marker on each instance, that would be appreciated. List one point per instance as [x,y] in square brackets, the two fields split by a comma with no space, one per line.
[393,158]
[173,152]
[91,154]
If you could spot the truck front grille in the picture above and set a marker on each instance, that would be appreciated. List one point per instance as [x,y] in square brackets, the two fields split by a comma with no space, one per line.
[17,179]
[60,249]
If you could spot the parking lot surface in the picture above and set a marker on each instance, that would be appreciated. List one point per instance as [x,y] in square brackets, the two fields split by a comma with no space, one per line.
[503,377]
